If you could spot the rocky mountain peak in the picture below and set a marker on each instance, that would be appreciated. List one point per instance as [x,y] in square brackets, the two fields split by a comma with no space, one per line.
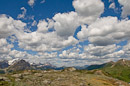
[123,62]
[19,65]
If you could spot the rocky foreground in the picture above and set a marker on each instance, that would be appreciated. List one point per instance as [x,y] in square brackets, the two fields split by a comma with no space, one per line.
[69,77]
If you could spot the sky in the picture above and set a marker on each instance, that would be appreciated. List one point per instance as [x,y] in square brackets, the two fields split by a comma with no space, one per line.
[65,32]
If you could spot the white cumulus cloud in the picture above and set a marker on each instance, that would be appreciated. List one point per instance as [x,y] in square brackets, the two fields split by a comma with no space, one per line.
[9,26]
[125,8]
[88,10]
[106,31]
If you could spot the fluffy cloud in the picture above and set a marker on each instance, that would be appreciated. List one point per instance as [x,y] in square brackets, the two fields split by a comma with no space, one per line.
[34,23]
[48,55]
[63,25]
[14,54]
[92,54]
[100,50]
[44,41]
[44,26]
[111,0]
[106,31]
[23,13]
[66,24]
[83,35]
[112,5]
[126,50]
[31,2]
[88,10]
[5,47]
[43,1]
[125,8]
[55,34]
[67,54]
[115,55]
[9,26]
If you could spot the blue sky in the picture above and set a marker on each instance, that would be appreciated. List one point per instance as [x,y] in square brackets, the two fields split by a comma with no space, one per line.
[64,32]
[40,10]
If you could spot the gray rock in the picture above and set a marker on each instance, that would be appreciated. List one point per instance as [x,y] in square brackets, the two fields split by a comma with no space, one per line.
[47,82]
[20,76]
[17,79]
[38,74]
[4,79]
[71,69]
[82,84]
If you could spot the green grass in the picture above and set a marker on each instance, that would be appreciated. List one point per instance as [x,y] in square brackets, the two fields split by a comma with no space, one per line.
[119,72]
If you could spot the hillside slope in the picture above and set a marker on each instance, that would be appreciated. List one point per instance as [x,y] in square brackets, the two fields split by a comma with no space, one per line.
[119,69]
[58,78]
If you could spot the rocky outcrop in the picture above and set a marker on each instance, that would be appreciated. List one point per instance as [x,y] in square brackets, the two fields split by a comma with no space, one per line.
[70,69]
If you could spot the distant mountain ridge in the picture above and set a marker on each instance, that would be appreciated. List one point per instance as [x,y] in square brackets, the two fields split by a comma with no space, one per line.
[99,66]
[111,64]
[3,64]
[19,65]
[119,69]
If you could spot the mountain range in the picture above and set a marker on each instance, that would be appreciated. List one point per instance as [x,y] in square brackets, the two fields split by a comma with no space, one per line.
[119,69]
